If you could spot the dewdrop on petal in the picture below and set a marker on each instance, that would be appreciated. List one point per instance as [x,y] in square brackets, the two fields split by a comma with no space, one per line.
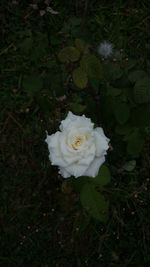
[105,49]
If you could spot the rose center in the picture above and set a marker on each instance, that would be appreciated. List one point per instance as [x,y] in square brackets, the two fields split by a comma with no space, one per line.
[78,141]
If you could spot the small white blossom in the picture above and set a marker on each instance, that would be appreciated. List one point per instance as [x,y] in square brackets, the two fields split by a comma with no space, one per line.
[78,149]
[105,49]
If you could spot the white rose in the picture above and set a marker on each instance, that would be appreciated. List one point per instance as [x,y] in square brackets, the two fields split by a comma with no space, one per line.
[77,149]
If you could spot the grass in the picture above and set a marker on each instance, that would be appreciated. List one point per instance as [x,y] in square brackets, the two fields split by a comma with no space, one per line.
[41,224]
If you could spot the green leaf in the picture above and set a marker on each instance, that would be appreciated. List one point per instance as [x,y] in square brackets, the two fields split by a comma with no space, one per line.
[142,91]
[130,64]
[90,105]
[137,75]
[80,78]
[113,91]
[123,129]
[121,83]
[108,113]
[130,165]
[69,54]
[122,112]
[95,84]
[135,143]
[77,108]
[113,71]
[79,183]
[140,116]
[103,177]
[32,84]
[92,66]
[80,45]
[94,203]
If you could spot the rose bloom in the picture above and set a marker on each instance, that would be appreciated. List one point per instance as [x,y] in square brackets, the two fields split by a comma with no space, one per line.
[78,149]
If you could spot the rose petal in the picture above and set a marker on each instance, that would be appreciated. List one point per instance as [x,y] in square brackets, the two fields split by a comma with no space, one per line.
[76,169]
[88,156]
[52,140]
[93,169]
[64,173]
[101,142]
[55,155]
[101,131]
[64,123]
[75,122]
[70,155]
